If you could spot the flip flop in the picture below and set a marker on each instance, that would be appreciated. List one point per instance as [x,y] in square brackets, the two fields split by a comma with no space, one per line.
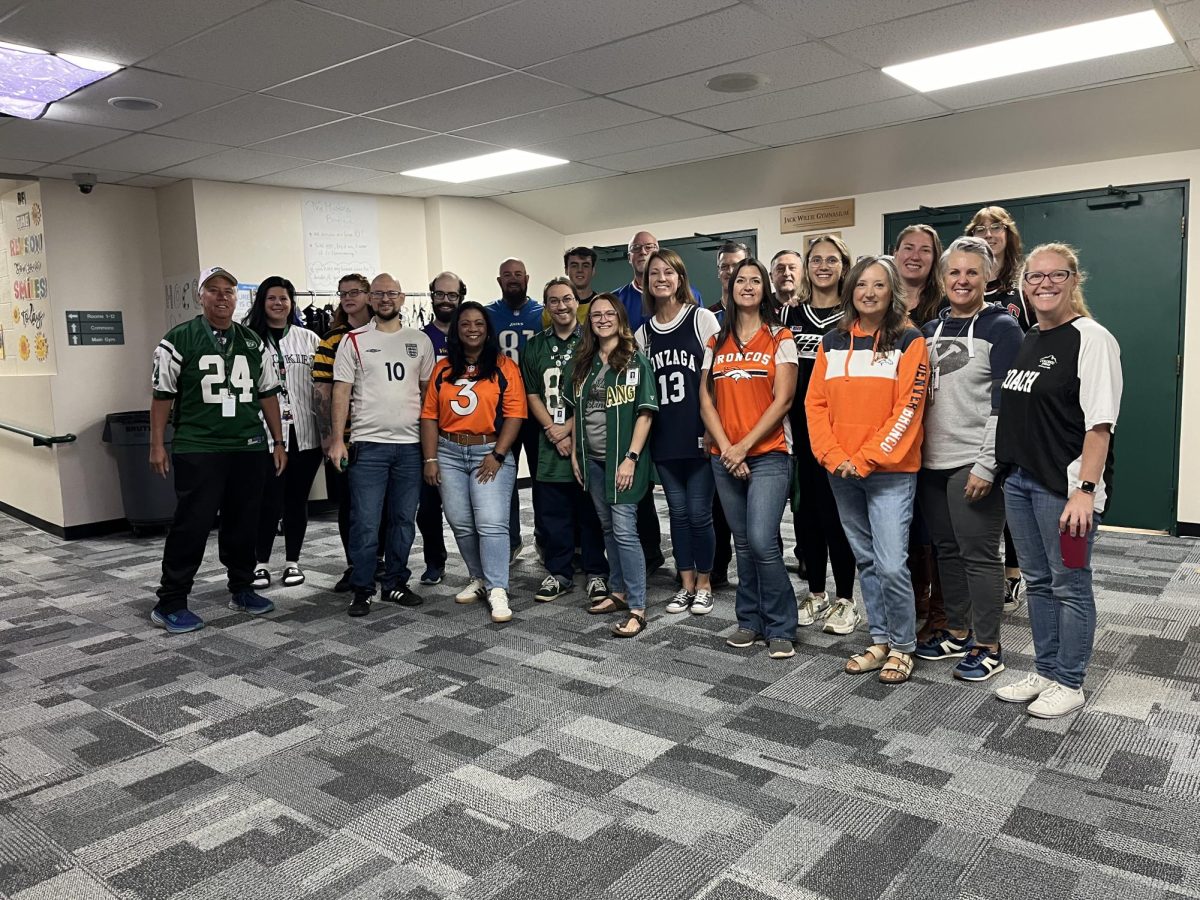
[639,625]
[607,604]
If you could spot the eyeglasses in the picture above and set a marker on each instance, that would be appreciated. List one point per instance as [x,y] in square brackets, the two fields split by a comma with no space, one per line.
[599,316]
[826,260]
[560,301]
[391,295]
[342,295]
[446,295]
[1058,276]
[994,228]
[638,248]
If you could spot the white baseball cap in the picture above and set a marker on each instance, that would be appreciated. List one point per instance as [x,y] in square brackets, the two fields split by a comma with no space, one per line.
[208,275]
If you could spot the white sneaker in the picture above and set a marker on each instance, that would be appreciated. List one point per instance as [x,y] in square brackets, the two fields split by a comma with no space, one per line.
[843,618]
[498,601]
[1028,688]
[812,608]
[472,593]
[681,602]
[1056,701]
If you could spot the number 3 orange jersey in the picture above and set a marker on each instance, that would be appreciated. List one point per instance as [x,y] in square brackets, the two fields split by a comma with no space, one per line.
[475,406]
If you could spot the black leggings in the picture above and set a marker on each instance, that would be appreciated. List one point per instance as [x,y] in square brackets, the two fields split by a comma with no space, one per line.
[819,531]
[287,496]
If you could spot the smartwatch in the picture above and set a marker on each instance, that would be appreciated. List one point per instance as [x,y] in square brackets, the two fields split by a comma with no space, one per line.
[499,457]
[631,455]
[1088,487]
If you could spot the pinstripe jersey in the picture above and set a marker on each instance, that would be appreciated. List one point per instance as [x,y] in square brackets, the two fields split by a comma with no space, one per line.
[293,358]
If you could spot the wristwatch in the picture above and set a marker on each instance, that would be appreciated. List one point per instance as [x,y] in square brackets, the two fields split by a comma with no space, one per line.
[499,457]
[632,456]
[1088,487]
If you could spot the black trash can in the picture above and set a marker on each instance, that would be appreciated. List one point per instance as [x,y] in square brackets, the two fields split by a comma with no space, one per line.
[149,500]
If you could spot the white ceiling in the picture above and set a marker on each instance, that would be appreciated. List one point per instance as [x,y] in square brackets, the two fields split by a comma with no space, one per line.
[345,94]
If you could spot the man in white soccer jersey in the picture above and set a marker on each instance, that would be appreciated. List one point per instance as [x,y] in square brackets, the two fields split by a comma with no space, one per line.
[383,371]
[212,380]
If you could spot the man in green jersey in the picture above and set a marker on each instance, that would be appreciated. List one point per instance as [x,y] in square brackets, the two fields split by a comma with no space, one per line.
[565,508]
[212,380]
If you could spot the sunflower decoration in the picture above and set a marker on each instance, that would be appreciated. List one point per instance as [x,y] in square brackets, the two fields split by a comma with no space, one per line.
[23,348]
[16,315]
[41,347]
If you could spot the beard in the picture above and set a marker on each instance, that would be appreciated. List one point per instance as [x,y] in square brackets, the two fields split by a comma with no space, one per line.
[387,317]
[443,314]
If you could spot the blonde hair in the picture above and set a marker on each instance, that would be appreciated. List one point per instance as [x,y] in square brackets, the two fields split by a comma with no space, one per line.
[1009,268]
[1071,255]
[804,288]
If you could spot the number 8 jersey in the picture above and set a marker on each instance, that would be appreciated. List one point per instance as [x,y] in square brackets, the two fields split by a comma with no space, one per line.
[191,368]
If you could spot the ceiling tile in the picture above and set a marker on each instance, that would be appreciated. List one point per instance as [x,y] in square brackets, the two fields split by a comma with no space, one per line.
[50,141]
[1185,18]
[823,19]
[670,154]
[439,149]
[859,118]
[353,135]
[412,16]
[250,118]
[542,178]
[531,31]
[473,189]
[149,181]
[233,165]
[121,31]
[179,97]
[388,77]
[650,133]
[838,93]
[17,166]
[970,24]
[321,175]
[1064,78]
[386,184]
[144,153]
[786,68]
[67,173]
[270,44]
[582,116]
[485,101]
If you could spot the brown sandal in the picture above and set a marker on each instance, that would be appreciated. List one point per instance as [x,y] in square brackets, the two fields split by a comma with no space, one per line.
[868,661]
[607,604]
[897,669]
[635,620]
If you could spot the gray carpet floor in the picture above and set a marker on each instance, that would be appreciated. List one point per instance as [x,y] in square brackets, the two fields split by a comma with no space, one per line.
[428,754]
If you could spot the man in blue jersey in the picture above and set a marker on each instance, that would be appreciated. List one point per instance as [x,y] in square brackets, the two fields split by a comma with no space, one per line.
[641,247]
[446,291]
[515,319]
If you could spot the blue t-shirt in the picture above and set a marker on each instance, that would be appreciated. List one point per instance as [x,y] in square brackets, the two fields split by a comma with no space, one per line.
[631,299]
[437,337]
[514,328]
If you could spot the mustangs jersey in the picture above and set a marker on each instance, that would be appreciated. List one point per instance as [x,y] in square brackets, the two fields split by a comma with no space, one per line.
[675,351]
[542,367]
[216,389]
[744,385]
[514,327]
[475,405]
[808,324]
[386,369]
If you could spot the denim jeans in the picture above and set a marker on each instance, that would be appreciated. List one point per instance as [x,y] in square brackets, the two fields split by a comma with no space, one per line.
[1062,607]
[876,514]
[383,471]
[689,486]
[765,602]
[477,513]
[618,521]
[567,510]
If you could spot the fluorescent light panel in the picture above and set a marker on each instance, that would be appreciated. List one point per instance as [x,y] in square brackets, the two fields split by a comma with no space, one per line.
[505,162]
[32,79]
[1076,43]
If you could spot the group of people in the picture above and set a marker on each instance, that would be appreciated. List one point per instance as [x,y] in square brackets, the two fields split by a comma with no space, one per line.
[908,407]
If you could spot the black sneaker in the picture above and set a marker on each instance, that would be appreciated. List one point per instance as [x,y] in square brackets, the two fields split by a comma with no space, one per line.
[359,606]
[343,584]
[552,589]
[597,588]
[403,596]
[1014,590]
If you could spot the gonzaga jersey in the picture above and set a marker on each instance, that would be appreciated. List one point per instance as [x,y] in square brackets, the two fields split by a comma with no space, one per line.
[216,388]
[514,327]
[675,351]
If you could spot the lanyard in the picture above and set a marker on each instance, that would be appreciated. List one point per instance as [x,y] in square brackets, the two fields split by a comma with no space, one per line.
[227,353]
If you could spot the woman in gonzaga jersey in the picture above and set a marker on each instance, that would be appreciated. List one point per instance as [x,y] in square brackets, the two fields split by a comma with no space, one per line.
[674,339]
[819,533]
[864,407]
[747,384]
[1058,408]
[472,415]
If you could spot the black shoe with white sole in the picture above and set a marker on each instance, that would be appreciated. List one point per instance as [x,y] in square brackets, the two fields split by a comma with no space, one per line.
[262,578]
[292,576]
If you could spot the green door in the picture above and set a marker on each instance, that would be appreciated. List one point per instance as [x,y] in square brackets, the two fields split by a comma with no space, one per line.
[699,255]
[1131,245]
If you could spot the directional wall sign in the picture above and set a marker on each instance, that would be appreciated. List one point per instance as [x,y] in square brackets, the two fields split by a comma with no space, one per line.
[95,328]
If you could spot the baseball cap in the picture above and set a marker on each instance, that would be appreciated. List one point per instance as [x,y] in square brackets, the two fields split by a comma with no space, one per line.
[207,275]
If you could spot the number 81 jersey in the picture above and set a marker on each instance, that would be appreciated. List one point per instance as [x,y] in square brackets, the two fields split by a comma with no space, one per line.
[216,390]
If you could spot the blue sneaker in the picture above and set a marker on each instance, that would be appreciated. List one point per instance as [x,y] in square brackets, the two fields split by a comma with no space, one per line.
[944,645]
[252,603]
[433,575]
[979,664]
[180,622]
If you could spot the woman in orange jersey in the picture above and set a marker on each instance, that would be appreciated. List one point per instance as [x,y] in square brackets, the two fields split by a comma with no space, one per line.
[747,381]
[864,405]
[472,415]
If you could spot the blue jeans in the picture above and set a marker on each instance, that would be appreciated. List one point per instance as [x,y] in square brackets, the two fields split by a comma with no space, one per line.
[567,511]
[618,521]
[877,514]
[383,471]
[1062,607]
[765,602]
[689,486]
[477,513]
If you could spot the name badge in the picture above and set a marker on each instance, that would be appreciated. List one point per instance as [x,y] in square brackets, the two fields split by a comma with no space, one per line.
[560,416]
[228,405]
[631,377]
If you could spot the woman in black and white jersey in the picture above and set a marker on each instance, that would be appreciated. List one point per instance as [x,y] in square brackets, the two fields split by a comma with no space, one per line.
[994,225]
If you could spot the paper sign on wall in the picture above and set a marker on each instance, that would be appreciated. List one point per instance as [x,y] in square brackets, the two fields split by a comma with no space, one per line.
[28,333]
[341,235]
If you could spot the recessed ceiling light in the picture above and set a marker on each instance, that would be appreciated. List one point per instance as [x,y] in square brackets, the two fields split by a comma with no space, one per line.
[1076,43]
[32,79]
[506,162]
[134,104]
[736,82]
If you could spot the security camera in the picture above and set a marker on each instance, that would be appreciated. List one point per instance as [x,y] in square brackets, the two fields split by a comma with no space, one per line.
[85,180]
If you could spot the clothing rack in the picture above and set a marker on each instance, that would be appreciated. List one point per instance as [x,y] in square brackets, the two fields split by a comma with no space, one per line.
[334,293]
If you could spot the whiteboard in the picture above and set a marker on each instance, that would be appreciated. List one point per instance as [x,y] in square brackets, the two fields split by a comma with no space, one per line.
[341,235]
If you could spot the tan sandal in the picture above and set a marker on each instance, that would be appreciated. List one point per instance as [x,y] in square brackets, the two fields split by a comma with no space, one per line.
[868,661]
[897,669]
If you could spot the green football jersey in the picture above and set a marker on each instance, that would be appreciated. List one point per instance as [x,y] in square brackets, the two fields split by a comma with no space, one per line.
[216,389]
[542,364]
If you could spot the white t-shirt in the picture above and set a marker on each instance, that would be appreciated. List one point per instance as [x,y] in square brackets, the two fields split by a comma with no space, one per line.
[386,369]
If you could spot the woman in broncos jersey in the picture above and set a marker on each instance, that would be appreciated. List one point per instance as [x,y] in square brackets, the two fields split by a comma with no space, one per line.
[1058,409]
[674,339]
[747,384]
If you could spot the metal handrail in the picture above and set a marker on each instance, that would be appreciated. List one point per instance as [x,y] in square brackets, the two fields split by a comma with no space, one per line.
[40,440]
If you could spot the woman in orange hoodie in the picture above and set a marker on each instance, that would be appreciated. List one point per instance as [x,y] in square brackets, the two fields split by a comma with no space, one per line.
[864,406]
